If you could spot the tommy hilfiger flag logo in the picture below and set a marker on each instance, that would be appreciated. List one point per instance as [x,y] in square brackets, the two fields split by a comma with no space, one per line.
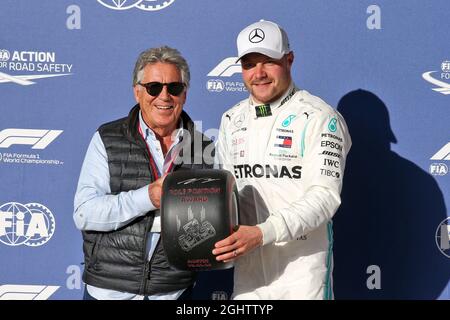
[263,110]
[286,142]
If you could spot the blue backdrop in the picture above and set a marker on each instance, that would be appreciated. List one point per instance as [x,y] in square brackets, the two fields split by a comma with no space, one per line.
[66,68]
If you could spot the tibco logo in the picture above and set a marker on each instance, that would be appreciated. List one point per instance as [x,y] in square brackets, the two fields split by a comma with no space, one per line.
[39,139]
[30,224]
[26,292]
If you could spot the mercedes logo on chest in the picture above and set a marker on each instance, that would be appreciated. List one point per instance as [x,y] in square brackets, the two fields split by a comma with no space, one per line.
[256,35]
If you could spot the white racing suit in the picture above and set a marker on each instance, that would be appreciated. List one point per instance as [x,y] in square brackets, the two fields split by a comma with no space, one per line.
[289,168]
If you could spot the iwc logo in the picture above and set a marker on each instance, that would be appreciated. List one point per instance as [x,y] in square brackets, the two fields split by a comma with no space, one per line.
[442,85]
[31,224]
[146,5]
[256,35]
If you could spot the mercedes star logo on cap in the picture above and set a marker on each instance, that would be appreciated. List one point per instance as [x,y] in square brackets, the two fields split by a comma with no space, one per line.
[256,35]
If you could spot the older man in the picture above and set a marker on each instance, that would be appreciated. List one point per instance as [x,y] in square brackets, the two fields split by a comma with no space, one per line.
[287,149]
[119,189]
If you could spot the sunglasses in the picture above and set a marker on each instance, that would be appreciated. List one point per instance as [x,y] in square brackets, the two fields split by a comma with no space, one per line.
[155,88]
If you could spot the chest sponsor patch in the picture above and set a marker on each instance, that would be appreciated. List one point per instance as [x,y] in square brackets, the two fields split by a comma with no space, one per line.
[283,142]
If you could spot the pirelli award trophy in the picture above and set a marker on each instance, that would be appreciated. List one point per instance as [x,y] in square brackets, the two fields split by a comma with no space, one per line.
[198,208]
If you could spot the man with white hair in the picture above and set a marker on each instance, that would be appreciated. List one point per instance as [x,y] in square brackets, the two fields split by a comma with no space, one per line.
[119,190]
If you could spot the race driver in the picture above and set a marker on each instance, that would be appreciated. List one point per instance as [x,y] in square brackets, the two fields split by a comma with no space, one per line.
[287,150]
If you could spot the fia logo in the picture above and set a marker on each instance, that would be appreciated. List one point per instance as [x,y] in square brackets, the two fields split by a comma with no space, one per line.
[146,5]
[31,224]
[442,85]
[438,169]
[215,85]
[219,295]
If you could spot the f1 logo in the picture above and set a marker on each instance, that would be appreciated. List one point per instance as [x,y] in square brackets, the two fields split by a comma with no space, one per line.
[443,154]
[26,292]
[226,68]
[39,139]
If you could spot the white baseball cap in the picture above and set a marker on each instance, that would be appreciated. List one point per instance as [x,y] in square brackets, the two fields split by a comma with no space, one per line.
[264,37]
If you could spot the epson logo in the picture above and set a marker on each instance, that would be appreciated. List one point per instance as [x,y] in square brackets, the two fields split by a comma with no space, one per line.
[39,139]
[267,171]
[331,144]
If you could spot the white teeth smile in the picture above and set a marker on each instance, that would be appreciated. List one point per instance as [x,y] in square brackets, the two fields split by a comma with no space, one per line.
[164,107]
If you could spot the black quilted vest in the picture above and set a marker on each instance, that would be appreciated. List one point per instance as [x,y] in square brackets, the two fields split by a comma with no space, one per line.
[117,259]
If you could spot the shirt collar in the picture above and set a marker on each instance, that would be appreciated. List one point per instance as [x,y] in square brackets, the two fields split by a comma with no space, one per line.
[148,133]
[280,101]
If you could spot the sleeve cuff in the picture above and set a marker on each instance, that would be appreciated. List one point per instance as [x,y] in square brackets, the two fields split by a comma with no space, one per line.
[268,231]
[142,200]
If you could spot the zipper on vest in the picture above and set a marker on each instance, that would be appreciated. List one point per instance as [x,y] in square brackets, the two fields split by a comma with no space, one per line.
[149,269]
[146,271]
